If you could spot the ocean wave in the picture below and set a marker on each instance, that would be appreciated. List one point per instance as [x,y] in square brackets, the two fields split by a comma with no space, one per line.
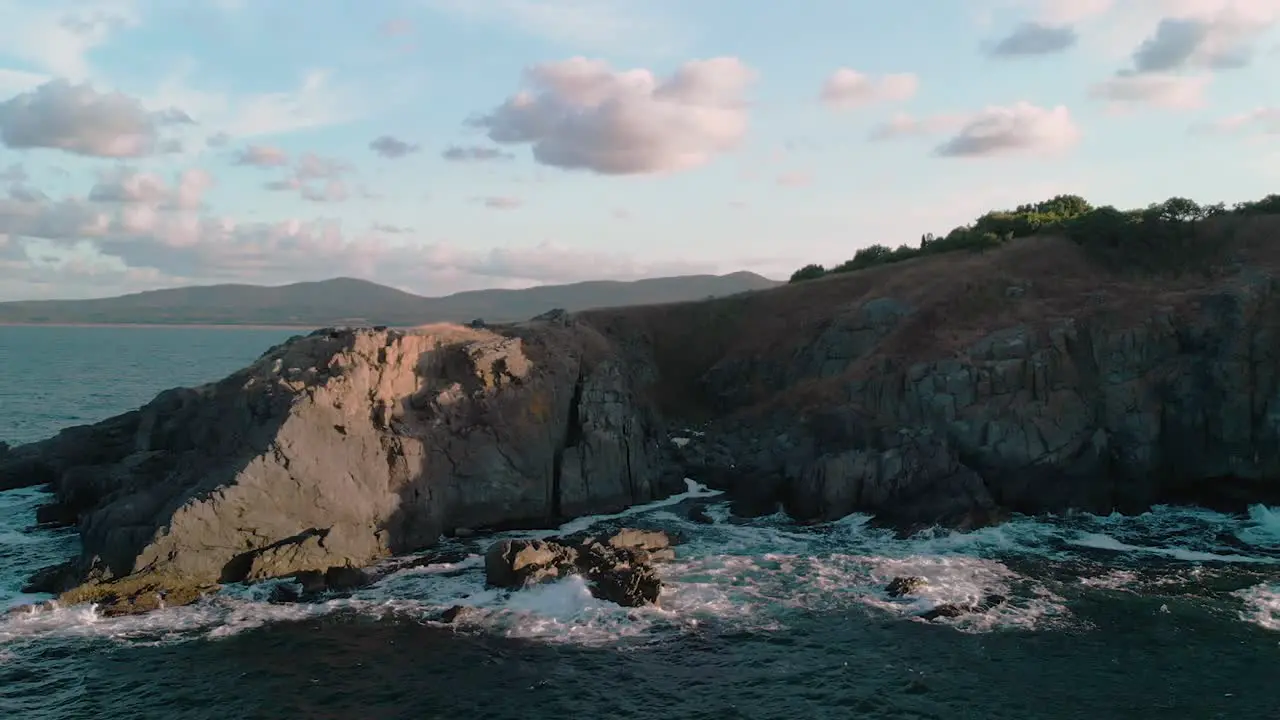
[1262,605]
[760,575]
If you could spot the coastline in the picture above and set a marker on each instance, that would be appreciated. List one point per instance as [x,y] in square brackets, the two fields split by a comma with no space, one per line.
[168,326]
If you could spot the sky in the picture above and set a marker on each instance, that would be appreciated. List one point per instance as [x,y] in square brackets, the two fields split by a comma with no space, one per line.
[446,145]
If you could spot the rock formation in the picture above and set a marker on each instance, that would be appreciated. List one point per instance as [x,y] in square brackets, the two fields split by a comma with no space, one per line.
[932,393]
[346,446]
[953,389]
[618,568]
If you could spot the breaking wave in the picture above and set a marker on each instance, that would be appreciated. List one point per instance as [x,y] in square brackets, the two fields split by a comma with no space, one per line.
[737,575]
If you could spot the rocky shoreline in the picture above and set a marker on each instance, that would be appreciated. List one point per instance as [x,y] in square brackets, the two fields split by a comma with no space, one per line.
[339,449]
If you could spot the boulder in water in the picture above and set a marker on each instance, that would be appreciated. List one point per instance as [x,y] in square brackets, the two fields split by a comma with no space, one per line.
[954,610]
[618,568]
[905,585]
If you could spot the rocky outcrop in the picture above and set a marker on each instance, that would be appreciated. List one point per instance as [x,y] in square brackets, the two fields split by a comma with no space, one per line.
[618,568]
[345,446]
[1116,401]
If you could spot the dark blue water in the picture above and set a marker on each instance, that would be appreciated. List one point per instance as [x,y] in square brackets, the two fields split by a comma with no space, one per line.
[1174,614]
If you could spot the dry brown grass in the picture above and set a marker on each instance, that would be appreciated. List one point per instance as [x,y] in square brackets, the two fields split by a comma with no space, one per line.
[958,299]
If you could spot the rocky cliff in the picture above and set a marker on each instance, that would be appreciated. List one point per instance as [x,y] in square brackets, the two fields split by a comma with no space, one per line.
[959,388]
[345,446]
[952,389]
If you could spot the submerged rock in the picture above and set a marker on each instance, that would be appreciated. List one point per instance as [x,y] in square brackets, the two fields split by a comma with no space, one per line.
[905,585]
[618,568]
[954,610]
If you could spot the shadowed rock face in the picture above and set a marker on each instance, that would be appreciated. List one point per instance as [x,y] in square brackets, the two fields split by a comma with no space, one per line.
[1104,411]
[342,447]
[924,394]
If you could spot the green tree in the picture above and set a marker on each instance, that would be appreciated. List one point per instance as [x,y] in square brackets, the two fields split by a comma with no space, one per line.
[808,272]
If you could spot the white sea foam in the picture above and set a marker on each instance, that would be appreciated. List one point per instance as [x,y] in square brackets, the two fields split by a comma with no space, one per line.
[1262,605]
[757,576]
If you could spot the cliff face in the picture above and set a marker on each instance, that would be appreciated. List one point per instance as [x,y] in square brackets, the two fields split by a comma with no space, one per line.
[345,446]
[956,390]
[951,390]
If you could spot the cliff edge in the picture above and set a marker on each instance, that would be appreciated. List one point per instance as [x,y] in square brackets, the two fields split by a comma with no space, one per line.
[949,389]
[342,447]
[959,387]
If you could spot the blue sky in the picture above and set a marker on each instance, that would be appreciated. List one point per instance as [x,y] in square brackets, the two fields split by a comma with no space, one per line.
[148,144]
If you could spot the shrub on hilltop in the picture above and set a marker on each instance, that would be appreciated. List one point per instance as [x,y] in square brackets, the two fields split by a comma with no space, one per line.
[1162,237]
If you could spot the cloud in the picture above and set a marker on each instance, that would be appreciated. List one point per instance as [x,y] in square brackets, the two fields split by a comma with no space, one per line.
[1205,35]
[579,114]
[333,191]
[1260,121]
[131,187]
[1177,92]
[261,156]
[903,125]
[159,244]
[501,203]
[58,37]
[79,120]
[1016,129]
[218,140]
[15,173]
[474,153]
[311,168]
[389,147]
[391,229]
[848,88]
[316,102]
[1033,38]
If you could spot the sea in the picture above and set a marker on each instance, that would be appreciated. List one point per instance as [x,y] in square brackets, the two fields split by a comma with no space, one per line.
[1174,613]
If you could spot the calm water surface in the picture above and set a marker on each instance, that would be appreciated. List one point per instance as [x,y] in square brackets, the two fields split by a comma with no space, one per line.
[1174,614]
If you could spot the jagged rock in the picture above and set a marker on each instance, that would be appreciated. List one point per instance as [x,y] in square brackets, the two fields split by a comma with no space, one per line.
[1119,407]
[557,315]
[519,563]
[618,568]
[698,514]
[954,610]
[56,515]
[54,579]
[456,613]
[905,585]
[343,447]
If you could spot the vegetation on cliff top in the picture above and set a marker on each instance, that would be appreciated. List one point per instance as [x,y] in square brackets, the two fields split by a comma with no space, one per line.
[1162,237]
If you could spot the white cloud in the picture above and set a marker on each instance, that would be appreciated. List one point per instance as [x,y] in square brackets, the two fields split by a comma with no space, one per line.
[1177,92]
[580,114]
[474,153]
[316,102]
[1263,120]
[159,242]
[848,88]
[261,156]
[904,125]
[56,36]
[78,119]
[501,203]
[1021,128]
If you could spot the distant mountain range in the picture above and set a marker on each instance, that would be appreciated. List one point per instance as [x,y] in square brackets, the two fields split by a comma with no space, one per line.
[348,301]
